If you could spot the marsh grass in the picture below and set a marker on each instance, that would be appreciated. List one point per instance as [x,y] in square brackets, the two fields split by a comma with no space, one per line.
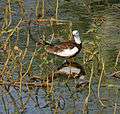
[25,72]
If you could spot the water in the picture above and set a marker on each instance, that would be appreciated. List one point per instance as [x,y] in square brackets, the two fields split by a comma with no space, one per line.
[99,26]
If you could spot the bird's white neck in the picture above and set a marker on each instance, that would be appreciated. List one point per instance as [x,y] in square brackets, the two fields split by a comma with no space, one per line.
[77,39]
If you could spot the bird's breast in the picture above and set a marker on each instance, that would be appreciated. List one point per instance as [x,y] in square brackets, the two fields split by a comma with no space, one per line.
[67,52]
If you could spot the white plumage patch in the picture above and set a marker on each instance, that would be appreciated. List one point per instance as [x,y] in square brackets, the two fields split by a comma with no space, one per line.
[69,70]
[77,39]
[67,52]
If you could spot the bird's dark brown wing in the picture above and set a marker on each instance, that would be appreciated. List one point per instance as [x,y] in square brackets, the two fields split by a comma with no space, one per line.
[60,47]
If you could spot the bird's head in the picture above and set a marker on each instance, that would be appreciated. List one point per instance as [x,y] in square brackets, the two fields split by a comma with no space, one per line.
[76,36]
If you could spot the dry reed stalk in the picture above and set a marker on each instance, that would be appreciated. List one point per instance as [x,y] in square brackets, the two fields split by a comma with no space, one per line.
[29,66]
[40,14]
[37,8]
[24,107]
[13,30]
[56,108]
[21,77]
[17,37]
[43,8]
[7,15]
[13,99]
[56,11]
[115,109]
[48,20]
[99,83]
[116,100]
[21,84]
[51,89]
[27,44]
[91,55]
[21,68]
[44,85]
[6,63]
[22,9]
[47,83]
[10,15]
[117,59]
[117,87]
[70,28]
[85,106]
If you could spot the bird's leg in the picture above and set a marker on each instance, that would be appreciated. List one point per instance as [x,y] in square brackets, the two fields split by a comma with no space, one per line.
[70,60]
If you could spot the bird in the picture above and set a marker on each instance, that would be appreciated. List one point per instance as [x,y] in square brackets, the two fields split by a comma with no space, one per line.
[71,69]
[66,49]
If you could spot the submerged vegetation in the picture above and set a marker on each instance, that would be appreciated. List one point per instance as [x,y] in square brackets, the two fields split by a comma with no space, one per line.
[29,78]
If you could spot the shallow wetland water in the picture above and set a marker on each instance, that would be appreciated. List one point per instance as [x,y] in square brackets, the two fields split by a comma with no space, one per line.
[30,81]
